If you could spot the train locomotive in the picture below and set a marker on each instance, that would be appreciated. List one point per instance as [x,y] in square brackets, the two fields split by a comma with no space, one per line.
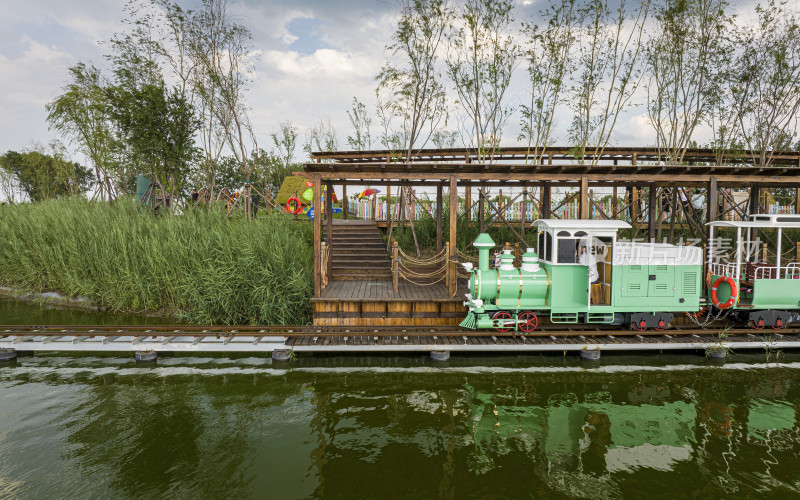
[638,284]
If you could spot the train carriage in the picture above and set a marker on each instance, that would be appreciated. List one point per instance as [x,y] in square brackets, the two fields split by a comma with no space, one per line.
[755,290]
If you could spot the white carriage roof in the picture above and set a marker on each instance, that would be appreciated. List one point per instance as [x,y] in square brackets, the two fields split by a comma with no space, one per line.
[746,224]
[586,224]
[762,220]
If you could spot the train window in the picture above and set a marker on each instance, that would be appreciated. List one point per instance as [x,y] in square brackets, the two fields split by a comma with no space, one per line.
[563,233]
[567,250]
[546,252]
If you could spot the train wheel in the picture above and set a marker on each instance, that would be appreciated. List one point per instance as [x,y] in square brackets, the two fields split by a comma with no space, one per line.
[502,315]
[639,327]
[530,321]
[778,325]
[757,325]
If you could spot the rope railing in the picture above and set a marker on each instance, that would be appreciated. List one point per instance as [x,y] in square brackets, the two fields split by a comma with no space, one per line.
[417,261]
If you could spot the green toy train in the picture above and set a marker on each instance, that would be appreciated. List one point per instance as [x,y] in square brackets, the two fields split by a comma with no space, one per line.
[583,274]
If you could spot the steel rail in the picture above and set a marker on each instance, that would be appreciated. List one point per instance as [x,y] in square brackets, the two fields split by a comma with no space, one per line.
[91,331]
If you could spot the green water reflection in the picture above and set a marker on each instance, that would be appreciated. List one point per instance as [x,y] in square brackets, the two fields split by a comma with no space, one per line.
[15,312]
[387,427]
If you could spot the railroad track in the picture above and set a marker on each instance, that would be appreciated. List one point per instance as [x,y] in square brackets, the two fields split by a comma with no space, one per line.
[291,331]
[553,338]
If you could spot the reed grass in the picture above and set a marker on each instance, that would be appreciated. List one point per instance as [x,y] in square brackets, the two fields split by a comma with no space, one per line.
[201,267]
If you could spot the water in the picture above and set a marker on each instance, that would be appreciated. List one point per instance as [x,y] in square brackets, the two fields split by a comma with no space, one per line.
[91,426]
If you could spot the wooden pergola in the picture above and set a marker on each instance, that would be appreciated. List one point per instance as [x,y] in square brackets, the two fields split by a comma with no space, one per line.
[510,167]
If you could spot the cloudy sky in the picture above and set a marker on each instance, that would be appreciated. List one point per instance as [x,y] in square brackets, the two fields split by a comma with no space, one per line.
[315,56]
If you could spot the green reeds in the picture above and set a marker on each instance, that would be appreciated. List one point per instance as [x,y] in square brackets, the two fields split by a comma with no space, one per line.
[201,266]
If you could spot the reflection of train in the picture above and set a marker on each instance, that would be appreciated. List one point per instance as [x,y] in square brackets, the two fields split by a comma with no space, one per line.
[638,284]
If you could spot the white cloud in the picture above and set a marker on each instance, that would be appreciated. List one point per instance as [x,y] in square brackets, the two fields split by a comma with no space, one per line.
[29,82]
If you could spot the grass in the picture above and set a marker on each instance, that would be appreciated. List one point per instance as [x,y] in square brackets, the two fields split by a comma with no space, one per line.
[200,267]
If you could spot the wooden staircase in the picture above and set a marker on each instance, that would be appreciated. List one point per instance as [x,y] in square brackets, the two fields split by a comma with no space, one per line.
[359,252]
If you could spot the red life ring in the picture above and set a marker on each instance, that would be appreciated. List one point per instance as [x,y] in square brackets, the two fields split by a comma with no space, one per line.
[734,292]
[298,206]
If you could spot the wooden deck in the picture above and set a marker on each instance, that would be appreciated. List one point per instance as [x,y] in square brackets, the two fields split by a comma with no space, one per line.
[382,291]
[375,303]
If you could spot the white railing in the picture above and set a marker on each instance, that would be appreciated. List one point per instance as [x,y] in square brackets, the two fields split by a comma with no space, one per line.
[725,270]
[792,271]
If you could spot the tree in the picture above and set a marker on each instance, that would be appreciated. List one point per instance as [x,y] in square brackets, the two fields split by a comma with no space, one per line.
[158,126]
[608,52]
[285,142]
[9,185]
[548,56]
[321,137]
[767,91]
[683,60]
[359,118]
[411,87]
[480,65]
[43,176]
[81,114]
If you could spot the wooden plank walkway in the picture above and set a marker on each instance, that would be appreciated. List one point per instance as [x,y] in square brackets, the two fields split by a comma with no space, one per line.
[382,291]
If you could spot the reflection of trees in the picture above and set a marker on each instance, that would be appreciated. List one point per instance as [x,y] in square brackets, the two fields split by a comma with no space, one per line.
[169,436]
[441,433]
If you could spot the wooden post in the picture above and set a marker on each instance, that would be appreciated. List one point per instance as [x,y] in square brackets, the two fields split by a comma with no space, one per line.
[797,201]
[328,213]
[468,201]
[395,265]
[614,203]
[388,202]
[317,235]
[673,214]
[523,208]
[652,211]
[500,204]
[517,261]
[634,209]
[797,251]
[447,265]
[481,209]
[545,198]
[375,207]
[453,222]
[583,203]
[439,218]
[764,253]
[322,249]
[344,201]
[754,199]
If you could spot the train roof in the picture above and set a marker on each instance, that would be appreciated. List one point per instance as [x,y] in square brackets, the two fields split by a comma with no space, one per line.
[762,221]
[585,224]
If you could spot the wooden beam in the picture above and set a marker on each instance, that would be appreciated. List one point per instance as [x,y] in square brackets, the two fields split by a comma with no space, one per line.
[583,202]
[439,218]
[317,235]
